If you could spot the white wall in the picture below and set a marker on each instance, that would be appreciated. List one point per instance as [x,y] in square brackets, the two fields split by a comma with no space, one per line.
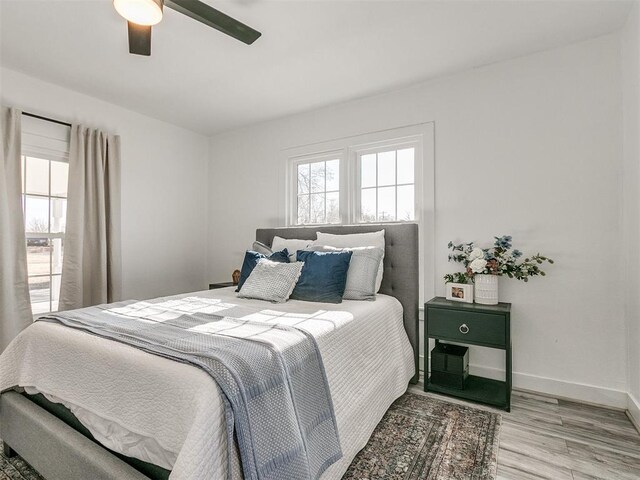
[530,147]
[631,207]
[164,190]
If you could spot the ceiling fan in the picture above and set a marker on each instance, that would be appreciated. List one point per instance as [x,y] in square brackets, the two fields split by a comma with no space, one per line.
[141,15]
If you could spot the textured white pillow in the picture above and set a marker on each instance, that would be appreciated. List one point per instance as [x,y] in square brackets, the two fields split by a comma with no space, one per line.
[291,244]
[272,281]
[352,240]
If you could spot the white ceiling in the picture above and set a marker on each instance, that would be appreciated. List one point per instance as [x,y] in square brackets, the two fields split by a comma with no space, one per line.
[311,53]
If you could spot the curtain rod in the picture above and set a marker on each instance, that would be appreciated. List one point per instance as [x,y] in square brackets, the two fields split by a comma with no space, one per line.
[47,119]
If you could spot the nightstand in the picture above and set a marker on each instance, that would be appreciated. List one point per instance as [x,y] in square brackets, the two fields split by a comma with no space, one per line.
[471,324]
[213,286]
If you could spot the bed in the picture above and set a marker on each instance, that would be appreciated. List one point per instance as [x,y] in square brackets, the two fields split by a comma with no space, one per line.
[168,416]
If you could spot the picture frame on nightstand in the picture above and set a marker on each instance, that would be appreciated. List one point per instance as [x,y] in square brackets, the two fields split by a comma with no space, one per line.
[459,292]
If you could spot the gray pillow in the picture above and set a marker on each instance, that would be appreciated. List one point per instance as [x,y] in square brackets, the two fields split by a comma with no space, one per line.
[272,281]
[363,270]
[261,248]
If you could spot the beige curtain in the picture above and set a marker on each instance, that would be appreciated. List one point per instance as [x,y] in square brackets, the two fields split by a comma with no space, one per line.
[91,267]
[15,305]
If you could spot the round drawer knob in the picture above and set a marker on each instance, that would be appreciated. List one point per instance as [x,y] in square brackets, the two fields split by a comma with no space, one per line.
[464,329]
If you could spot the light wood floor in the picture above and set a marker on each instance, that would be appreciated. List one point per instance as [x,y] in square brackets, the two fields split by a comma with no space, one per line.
[548,438]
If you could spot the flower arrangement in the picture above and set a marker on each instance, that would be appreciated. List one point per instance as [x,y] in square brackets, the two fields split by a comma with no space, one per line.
[501,259]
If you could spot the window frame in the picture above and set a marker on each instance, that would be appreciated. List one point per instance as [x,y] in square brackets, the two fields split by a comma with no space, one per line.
[380,147]
[50,236]
[347,150]
[44,140]
[292,168]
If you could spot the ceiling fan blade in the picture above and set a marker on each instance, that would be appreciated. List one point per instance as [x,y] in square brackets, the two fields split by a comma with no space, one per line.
[139,39]
[214,18]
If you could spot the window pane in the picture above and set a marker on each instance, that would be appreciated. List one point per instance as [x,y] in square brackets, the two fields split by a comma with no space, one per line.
[303,178]
[406,203]
[37,176]
[56,255]
[58,215]
[333,207]
[387,168]
[317,208]
[333,175]
[368,170]
[303,209]
[39,288]
[387,203]
[36,214]
[405,166]
[55,292]
[59,178]
[368,205]
[317,177]
[38,256]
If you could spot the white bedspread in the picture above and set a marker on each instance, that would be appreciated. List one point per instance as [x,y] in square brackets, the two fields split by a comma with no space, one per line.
[171,414]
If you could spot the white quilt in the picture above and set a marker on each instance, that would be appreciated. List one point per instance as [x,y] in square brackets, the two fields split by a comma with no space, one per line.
[171,414]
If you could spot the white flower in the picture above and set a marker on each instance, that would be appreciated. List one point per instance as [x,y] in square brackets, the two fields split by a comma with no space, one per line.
[478,265]
[476,253]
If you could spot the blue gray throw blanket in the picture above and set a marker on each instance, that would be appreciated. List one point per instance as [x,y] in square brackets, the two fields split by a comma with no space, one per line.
[277,400]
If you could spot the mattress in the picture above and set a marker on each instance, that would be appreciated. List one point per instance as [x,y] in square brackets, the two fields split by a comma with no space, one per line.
[171,414]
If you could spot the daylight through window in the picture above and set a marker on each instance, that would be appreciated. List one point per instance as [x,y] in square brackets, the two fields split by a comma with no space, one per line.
[318,186]
[44,201]
[387,185]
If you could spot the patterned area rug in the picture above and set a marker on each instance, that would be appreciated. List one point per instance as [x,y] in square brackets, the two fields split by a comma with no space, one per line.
[419,438]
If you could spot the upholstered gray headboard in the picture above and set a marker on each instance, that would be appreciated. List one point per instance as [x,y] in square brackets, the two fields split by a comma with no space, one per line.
[400,278]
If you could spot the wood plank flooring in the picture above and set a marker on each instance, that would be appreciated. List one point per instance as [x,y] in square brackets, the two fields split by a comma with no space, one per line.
[548,438]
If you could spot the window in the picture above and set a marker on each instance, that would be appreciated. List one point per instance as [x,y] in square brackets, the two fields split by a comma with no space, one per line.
[318,191]
[387,185]
[45,171]
[374,177]
[44,202]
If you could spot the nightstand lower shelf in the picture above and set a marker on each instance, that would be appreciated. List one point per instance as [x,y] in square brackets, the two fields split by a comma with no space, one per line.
[477,389]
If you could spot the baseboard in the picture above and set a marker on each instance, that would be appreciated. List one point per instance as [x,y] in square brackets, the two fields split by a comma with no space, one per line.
[581,392]
[633,411]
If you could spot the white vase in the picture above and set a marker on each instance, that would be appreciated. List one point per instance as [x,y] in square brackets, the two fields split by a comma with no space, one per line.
[486,289]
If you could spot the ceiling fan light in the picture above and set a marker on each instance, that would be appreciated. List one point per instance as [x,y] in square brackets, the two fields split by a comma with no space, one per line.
[141,12]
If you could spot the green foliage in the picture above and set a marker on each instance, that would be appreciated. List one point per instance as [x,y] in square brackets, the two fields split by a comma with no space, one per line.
[457,277]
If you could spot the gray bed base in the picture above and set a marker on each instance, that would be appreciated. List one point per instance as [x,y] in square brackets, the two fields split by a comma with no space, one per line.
[53,448]
[58,452]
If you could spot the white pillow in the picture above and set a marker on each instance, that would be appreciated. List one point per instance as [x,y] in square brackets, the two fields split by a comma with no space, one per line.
[271,281]
[371,239]
[291,244]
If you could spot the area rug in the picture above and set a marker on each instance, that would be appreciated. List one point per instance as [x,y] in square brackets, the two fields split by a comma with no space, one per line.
[419,437]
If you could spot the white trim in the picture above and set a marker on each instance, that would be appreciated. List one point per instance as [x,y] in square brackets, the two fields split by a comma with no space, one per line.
[355,157]
[633,411]
[581,392]
[292,182]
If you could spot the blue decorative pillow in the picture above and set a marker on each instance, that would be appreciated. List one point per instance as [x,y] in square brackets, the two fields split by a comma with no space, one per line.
[323,277]
[251,260]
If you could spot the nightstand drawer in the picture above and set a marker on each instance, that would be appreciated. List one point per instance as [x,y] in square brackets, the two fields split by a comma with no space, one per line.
[483,328]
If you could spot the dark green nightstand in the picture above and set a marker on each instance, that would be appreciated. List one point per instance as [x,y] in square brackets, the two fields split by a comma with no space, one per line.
[471,324]
[213,286]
